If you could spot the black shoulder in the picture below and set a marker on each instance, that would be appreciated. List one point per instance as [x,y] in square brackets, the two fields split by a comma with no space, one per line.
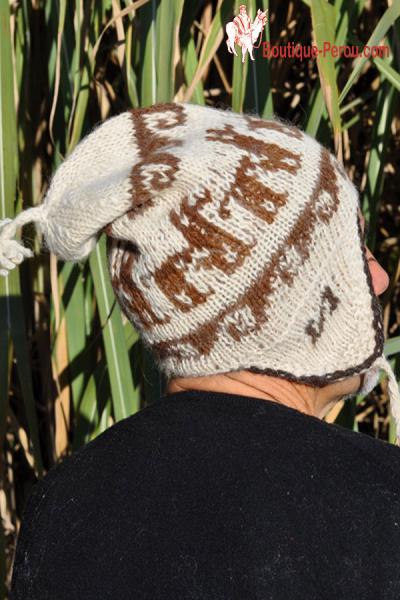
[27,554]
[377,456]
[63,483]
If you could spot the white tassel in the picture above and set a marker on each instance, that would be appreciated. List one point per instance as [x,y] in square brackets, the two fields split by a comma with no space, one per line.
[393,392]
[12,251]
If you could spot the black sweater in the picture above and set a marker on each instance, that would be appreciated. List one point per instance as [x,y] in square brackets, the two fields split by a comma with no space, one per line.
[211,496]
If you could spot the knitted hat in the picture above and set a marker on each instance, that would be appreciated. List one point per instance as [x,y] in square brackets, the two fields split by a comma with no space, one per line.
[233,243]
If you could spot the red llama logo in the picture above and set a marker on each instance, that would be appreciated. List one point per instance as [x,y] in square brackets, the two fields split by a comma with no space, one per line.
[243,32]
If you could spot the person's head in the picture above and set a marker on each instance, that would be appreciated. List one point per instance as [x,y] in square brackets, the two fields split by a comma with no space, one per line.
[234,243]
[242,9]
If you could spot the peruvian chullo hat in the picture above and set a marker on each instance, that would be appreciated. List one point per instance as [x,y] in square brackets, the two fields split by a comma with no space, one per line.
[233,243]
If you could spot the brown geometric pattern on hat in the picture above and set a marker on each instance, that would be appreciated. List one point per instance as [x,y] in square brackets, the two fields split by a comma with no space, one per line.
[203,235]
[281,269]
[157,167]
[329,302]
[129,294]
[217,248]
[247,189]
[276,158]
[252,193]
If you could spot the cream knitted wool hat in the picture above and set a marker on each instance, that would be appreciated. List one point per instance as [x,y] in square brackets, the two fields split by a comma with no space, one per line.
[233,243]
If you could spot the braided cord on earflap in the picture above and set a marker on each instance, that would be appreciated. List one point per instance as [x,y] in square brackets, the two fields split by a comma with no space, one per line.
[393,393]
[12,251]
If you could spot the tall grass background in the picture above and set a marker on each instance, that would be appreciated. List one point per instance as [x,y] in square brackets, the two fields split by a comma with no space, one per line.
[70,364]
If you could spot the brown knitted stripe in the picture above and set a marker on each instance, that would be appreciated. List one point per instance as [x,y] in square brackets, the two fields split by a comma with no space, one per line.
[278,270]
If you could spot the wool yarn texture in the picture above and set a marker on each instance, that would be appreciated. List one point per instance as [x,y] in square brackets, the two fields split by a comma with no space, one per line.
[233,243]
